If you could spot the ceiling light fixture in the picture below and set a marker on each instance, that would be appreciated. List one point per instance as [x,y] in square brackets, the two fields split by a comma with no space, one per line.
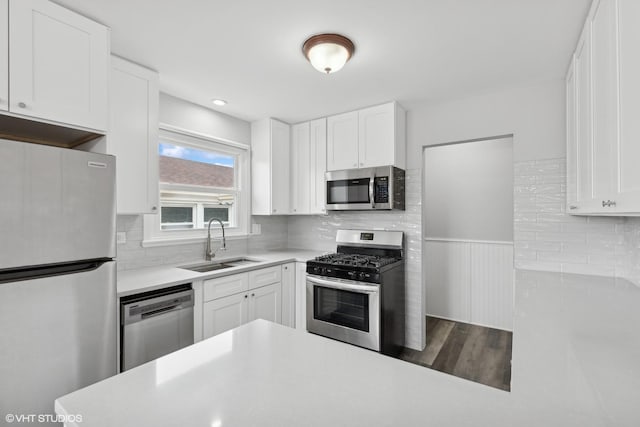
[328,52]
[219,102]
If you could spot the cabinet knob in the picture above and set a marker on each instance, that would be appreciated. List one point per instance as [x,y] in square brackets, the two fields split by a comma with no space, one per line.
[355,165]
[246,296]
[22,105]
[612,202]
[154,208]
[361,164]
[572,207]
[274,210]
[253,295]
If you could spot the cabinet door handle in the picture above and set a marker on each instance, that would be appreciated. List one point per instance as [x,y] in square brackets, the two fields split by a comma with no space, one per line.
[572,207]
[22,105]
[612,202]
[604,204]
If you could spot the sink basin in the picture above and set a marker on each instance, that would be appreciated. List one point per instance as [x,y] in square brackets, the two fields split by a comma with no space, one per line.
[201,268]
[214,266]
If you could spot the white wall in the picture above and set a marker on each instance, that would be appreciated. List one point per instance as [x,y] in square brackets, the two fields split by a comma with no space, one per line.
[185,115]
[468,191]
[534,115]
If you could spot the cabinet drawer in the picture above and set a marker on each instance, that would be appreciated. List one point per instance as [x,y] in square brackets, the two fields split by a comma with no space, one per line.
[266,276]
[224,286]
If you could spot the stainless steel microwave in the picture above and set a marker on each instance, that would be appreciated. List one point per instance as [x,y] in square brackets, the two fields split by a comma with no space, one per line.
[379,188]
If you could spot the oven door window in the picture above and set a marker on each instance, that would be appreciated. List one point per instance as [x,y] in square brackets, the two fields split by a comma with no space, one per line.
[339,307]
[348,191]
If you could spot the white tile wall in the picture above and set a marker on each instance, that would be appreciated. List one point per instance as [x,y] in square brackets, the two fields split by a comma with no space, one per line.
[547,238]
[132,255]
[319,232]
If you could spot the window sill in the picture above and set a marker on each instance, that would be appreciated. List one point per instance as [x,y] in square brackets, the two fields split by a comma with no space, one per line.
[173,241]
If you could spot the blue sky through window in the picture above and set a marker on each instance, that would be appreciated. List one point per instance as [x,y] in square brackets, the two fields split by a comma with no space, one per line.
[195,155]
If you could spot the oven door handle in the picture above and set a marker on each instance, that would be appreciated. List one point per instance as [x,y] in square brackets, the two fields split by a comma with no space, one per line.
[366,289]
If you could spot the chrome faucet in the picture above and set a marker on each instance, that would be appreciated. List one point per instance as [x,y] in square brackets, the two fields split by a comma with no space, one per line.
[209,254]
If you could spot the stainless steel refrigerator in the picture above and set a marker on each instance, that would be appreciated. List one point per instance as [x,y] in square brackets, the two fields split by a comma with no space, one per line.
[57,274]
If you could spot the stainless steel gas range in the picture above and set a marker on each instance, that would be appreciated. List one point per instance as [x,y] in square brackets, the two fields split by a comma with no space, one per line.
[356,295]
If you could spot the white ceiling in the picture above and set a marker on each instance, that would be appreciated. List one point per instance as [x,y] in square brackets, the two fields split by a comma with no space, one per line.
[249,51]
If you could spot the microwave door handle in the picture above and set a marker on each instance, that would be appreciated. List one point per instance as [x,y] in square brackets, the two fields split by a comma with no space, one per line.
[371,190]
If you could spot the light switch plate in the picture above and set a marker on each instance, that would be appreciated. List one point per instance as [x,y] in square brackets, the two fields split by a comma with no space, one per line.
[121,237]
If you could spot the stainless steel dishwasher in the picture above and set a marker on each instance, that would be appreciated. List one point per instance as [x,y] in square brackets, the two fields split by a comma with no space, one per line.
[155,323]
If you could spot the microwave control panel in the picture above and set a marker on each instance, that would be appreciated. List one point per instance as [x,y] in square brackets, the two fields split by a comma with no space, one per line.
[381,189]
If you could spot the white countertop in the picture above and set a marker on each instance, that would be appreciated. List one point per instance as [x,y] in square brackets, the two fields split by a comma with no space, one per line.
[148,279]
[576,362]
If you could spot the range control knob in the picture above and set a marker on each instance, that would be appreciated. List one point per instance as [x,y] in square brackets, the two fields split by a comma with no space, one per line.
[361,276]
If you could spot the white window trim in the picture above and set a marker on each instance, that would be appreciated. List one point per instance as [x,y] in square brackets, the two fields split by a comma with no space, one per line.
[154,236]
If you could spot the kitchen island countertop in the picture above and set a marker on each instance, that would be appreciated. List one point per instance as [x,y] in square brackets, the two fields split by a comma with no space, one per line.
[575,363]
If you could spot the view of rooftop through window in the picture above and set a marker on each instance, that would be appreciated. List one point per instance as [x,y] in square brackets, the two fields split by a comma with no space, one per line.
[196,184]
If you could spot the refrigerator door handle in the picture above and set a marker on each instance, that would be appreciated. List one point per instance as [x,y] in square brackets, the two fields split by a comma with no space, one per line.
[43,271]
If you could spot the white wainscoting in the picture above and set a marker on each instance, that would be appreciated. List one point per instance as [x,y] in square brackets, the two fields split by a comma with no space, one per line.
[469,281]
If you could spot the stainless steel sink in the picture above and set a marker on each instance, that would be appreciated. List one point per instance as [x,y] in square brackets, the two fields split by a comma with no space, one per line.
[214,266]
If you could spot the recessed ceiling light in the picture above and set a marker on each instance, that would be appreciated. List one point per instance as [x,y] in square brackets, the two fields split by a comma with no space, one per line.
[328,52]
[219,102]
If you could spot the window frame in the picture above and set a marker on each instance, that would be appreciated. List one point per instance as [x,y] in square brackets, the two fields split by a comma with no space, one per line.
[155,236]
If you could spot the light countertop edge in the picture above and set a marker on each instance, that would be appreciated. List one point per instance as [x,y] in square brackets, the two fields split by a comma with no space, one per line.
[131,282]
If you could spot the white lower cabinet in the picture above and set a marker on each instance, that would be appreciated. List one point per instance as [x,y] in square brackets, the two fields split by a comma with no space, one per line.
[266,303]
[301,296]
[234,300]
[223,314]
[289,294]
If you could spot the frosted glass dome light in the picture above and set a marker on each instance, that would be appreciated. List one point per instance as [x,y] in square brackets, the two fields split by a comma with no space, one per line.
[328,52]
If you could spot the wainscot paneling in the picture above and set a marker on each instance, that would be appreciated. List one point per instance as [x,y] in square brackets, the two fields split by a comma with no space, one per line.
[470,281]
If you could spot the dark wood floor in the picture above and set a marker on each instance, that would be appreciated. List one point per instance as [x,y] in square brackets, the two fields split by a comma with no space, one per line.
[467,351]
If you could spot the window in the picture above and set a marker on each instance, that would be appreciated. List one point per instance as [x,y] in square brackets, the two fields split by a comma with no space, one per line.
[199,179]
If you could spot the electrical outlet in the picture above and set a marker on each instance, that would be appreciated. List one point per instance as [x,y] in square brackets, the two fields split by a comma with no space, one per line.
[121,237]
[256,229]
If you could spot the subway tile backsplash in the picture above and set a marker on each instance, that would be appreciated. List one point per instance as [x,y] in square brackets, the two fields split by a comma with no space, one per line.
[547,238]
[132,255]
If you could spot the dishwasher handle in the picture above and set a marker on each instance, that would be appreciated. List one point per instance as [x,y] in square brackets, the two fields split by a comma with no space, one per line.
[138,311]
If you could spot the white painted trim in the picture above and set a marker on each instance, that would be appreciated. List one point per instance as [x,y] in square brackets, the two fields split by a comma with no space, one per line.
[177,129]
[486,242]
[152,243]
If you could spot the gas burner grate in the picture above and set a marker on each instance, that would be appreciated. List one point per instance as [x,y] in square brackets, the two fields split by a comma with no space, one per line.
[356,260]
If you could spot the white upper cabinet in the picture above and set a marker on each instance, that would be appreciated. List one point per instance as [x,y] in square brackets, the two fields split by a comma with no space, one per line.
[572,146]
[317,166]
[308,166]
[342,141]
[382,136]
[4,55]
[133,135]
[270,168]
[300,171]
[628,197]
[58,65]
[370,137]
[605,94]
